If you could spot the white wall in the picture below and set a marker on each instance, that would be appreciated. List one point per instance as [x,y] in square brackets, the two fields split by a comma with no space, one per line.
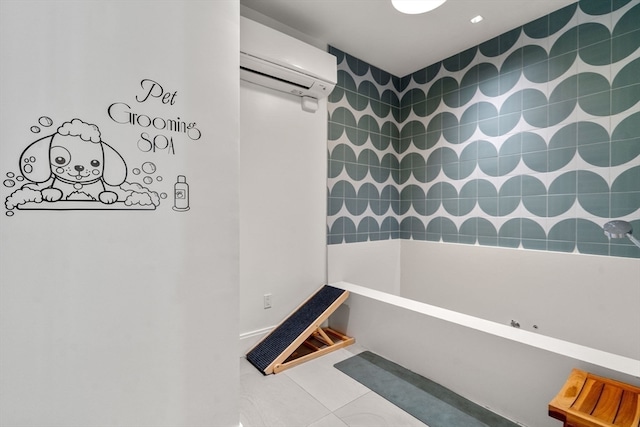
[375,265]
[117,317]
[279,26]
[282,206]
[587,299]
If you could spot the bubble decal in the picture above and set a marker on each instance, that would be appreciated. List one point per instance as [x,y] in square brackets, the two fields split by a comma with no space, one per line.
[149,167]
[45,121]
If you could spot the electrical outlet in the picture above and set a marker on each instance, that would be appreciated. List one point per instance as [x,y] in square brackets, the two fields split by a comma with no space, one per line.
[267,301]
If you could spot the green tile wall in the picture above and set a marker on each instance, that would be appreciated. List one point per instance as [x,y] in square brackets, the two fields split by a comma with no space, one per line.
[529,140]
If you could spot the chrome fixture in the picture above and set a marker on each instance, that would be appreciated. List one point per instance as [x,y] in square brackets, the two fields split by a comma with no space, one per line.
[619,230]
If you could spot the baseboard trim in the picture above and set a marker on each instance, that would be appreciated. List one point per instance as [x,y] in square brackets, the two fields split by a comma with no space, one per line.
[248,339]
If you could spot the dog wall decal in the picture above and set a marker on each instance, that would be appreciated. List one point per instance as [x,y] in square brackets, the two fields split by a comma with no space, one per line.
[75,163]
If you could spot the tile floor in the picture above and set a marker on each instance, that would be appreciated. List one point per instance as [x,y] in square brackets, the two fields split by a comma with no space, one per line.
[315,394]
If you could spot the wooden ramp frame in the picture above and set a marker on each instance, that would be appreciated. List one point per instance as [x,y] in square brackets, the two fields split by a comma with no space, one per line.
[587,400]
[301,337]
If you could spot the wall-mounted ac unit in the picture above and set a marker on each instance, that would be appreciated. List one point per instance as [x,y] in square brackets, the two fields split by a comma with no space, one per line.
[275,60]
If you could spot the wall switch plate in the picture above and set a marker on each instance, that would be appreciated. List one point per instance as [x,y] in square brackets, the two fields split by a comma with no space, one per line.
[267,301]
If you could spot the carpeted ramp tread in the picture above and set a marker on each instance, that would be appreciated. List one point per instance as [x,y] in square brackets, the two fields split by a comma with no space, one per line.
[290,329]
[424,399]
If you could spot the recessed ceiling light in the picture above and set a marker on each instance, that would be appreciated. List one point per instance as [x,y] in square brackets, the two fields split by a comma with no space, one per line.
[476,19]
[414,7]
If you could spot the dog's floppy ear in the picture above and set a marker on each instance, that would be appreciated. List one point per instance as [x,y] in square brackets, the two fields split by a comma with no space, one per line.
[34,162]
[115,169]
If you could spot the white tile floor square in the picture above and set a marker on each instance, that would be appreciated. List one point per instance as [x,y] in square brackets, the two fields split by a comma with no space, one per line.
[315,394]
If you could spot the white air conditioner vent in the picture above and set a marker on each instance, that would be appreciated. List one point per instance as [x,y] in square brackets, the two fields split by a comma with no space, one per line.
[277,61]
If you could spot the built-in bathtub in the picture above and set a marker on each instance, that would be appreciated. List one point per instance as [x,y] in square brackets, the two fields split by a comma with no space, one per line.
[513,371]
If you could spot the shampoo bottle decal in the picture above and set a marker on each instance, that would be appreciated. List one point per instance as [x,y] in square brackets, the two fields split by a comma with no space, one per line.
[181,194]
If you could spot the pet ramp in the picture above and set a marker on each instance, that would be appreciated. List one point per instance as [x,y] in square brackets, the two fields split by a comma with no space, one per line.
[300,337]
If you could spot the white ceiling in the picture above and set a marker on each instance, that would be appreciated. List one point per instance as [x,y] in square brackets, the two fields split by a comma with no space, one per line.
[372,30]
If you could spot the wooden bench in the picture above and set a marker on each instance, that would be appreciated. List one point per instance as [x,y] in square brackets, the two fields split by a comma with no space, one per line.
[587,400]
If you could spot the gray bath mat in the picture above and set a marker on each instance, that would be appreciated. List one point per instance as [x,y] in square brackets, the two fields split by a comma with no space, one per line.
[427,401]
